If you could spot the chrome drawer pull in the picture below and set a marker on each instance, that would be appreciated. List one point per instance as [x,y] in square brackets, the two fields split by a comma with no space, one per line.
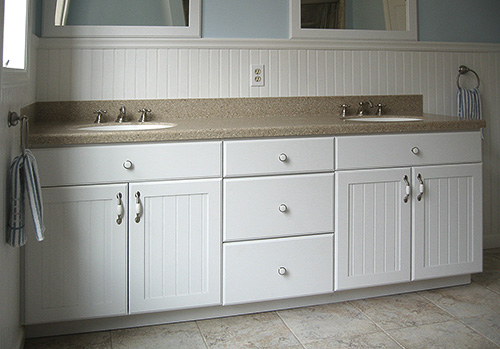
[283,208]
[408,189]
[283,157]
[281,270]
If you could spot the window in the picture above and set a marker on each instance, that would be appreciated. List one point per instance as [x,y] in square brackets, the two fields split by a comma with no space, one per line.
[14,37]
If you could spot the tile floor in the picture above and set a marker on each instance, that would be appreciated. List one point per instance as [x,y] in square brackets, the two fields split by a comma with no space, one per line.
[457,317]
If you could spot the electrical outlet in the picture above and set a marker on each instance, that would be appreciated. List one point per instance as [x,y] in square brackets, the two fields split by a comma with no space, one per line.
[257,75]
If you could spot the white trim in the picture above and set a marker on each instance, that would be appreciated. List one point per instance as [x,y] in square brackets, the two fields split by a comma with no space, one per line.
[193,30]
[278,44]
[411,32]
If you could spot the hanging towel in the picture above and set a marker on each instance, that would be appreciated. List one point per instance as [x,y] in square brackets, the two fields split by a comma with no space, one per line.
[24,177]
[469,104]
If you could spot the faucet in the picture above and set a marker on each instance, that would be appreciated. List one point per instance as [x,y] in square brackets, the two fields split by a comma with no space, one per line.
[144,112]
[361,110]
[121,116]
[99,115]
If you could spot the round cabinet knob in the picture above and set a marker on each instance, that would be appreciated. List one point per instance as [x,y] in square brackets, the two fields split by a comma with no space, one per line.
[282,270]
[128,165]
[415,150]
[283,157]
[283,208]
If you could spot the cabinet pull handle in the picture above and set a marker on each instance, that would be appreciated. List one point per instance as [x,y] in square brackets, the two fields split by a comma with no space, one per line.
[283,157]
[420,187]
[281,270]
[138,207]
[119,209]
[283,208]
[408,189]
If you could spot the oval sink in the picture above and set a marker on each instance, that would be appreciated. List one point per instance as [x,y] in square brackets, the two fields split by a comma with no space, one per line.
[126,127]
[380,119]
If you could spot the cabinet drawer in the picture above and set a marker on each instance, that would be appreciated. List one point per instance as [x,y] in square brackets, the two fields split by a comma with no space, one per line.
[407,149]
[105,163]
[275,156]
[252,268]
[277,206]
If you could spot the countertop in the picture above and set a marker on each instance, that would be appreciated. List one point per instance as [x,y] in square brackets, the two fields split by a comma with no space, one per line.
[46,134]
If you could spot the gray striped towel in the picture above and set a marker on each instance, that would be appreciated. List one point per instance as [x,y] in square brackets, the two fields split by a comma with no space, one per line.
[469,104]
[24,177]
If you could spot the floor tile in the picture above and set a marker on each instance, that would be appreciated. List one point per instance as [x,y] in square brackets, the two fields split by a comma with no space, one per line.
[327,321]
[488,326]
[451,334]
[94,340]
[465,301]
[489,279]
[401,311]
[182,335]
[370,340]
[262,330]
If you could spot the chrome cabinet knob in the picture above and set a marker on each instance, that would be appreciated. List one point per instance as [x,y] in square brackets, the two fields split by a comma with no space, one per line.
[283,157]
[283,208]
[128,165]
[281,270]
[415,150]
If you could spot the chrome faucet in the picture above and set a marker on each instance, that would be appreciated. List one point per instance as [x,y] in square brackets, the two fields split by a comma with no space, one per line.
[361,109]
[121,116]
[144,112]
[99,116]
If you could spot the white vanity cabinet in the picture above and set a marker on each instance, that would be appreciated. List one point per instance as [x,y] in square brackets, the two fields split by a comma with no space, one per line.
[96,260]
[428,197]
[278,219]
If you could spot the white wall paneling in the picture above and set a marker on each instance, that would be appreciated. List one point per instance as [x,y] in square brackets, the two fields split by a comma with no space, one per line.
[158,69]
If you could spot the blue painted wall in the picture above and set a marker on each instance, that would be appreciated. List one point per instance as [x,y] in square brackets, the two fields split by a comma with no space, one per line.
[439,20]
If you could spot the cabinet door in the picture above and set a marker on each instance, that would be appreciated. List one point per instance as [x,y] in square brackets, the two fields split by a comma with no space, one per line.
[80,269]
[447,221]
[372,235]
[175,245]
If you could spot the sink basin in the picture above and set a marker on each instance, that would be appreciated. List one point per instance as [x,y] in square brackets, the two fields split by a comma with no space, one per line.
[380,119]
[126,127]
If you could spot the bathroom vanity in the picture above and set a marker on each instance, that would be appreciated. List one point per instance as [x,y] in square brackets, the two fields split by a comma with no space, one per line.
[187,229]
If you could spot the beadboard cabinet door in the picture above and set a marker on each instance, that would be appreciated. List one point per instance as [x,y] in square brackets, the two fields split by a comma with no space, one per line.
[79,270]
[447,220]
[372,229]
[174,245]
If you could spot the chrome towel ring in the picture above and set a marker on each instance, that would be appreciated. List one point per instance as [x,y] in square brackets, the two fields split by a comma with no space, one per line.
[464,70]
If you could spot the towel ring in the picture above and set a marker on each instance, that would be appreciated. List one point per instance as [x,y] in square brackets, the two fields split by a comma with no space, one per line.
[464,70]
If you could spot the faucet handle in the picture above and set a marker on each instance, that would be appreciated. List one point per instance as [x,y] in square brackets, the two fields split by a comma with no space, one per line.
[99,113]
[144,112]
[344,110]
[379,108]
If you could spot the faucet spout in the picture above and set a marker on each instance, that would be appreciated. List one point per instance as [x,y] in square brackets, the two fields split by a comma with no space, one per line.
[121,116]
[361,109]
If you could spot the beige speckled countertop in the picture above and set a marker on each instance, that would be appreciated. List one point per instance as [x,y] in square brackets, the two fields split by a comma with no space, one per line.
[57,123]
[57,134]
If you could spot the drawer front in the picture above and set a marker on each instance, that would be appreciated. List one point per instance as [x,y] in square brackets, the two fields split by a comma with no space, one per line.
[277,206]
[407,150]
[276,156]
[252,269]
[102,164]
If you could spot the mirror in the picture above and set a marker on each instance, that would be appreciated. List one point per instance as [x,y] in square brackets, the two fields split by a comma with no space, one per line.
[354,19]
[121,18]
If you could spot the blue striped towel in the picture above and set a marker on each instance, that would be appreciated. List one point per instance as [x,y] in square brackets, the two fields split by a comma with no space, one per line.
[469,104]
[24,177]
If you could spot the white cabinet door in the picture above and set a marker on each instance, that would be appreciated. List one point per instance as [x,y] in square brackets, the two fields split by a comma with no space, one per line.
[372,235]
[447,221]
[174,245]
[80,270]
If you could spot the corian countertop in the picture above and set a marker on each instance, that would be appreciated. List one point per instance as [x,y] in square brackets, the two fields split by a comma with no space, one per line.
[209,128]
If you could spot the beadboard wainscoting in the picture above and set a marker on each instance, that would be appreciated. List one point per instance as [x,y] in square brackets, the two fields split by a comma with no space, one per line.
[83,69]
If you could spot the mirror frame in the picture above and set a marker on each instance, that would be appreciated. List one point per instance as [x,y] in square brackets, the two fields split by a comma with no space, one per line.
[297,32]
[92,31]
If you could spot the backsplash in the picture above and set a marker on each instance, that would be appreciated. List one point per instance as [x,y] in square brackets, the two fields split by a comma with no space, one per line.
[220,107]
